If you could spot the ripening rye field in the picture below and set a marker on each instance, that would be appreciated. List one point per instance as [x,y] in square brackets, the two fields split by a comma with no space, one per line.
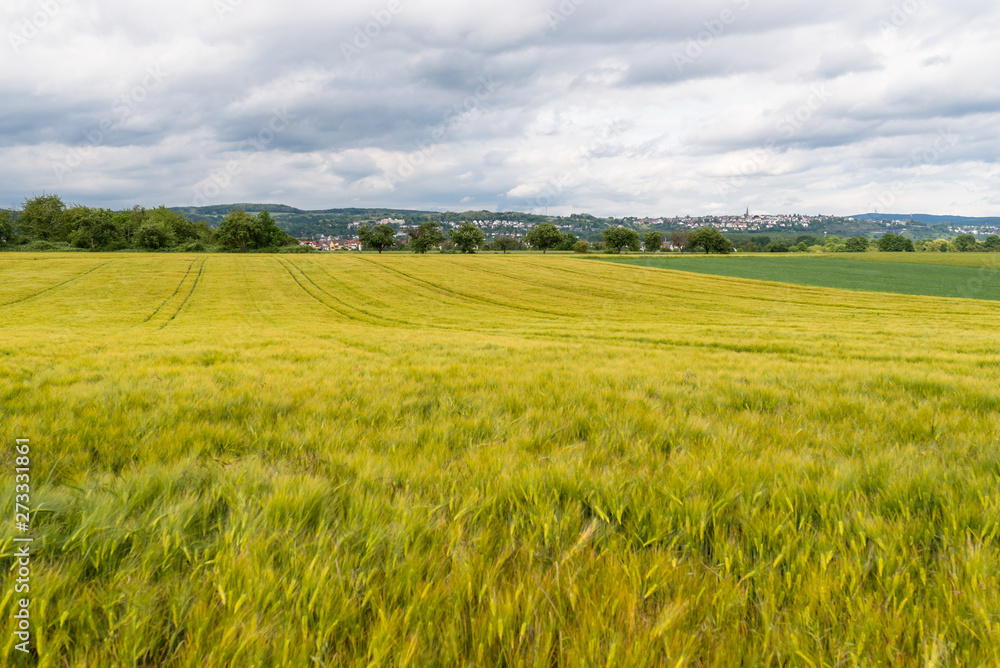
[495,461]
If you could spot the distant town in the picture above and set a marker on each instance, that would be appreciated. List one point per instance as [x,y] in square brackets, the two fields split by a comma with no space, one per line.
[589,228]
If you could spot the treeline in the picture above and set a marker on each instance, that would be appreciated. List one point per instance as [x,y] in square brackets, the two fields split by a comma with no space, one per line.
[313,224]
[887,243]
[466,237]
[469,238]
[46,223]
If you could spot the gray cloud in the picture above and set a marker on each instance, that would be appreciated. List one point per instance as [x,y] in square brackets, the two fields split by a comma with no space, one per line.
[847,60]
[585,105]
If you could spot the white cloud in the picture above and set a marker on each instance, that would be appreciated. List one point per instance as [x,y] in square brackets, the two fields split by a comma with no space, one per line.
[611,108]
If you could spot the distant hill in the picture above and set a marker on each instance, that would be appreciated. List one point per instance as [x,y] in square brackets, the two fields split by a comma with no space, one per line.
[343,222]
[930,219]
[338,222]
[305,224]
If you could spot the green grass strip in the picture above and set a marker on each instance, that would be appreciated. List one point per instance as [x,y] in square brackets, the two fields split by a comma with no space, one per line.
[906,278]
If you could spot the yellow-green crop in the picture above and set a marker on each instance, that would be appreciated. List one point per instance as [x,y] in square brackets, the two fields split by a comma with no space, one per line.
[495,460]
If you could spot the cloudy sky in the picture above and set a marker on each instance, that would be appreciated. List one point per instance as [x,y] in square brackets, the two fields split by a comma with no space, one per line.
[612,107]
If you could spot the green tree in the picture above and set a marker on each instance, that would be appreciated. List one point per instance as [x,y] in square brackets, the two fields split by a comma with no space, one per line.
[544,237]
[856,244]
[504,244]
[679,239]
[895,243]
[653,241]
[6,227]
[238,230]
[965,243]
[43,218]
[621,237]
[273,236]
[130,221]
[95,229]
[581,247]
[379,237]
[467,237]
[181,229]
[749,247]
[205,233]
[992,243]
[245,232]
[711,240]
[424,237]
[567,243]
[154,235]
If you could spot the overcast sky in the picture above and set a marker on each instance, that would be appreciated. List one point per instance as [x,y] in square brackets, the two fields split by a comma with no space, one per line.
[608,107]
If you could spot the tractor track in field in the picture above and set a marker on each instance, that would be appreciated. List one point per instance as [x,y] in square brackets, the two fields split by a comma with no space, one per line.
[57,285]
[201,269]
[665,288]
[545,286]
[460,298]
[376,319]
[474,298]
[407,323]
[176,290]
[668,291]
[423,290]
[340,311]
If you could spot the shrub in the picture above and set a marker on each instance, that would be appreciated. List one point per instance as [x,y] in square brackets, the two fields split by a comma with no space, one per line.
[857,245]
[301,248]
[895,243]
